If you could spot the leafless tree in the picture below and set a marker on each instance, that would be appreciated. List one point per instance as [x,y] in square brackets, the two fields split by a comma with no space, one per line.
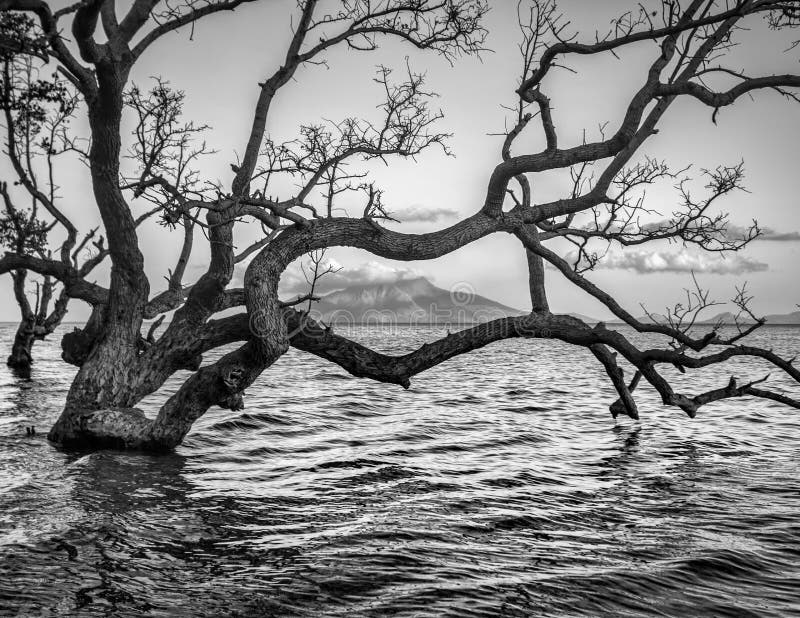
[120,367]
[36,112]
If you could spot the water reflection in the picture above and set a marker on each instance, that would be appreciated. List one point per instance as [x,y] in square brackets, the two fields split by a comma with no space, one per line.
[22,373]
[630,438]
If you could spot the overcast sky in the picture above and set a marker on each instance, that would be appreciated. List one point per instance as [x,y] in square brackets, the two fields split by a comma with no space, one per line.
[219,70]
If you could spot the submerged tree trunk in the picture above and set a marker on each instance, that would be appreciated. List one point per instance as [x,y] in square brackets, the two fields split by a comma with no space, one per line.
[116,375]
[101,412]
[35,322]
[21,356]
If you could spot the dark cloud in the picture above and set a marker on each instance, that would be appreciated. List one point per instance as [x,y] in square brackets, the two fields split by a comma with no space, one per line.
[769,234]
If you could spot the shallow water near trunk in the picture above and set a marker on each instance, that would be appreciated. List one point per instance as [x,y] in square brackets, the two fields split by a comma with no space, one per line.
[499,485]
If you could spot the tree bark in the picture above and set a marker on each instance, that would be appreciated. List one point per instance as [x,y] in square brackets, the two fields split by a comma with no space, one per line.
[21,356]
[110,372]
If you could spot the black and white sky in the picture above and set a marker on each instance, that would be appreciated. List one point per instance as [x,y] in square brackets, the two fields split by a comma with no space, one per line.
[220,64]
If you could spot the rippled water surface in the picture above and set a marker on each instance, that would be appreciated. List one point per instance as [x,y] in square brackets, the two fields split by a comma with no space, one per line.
[499,485]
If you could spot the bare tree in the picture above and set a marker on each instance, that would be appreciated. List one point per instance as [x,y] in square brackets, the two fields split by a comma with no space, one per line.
[120,367]
[36,113]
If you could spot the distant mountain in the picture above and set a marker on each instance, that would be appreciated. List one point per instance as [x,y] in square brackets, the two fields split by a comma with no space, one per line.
[408,301]
[584,318]
[418,301]
[727,317]
[653,318]
[774,318]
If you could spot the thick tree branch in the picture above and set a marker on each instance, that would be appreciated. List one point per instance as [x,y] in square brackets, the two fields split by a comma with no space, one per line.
[136,19]
[721,99]
[73,282]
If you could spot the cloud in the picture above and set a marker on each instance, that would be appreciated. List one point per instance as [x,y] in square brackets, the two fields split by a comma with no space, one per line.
[767,233]
[645,262]
[367,273]
[770,234]
[422,214]
[735,232]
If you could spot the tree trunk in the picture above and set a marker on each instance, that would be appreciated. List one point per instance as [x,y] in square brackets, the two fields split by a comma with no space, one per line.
[100,410]
[21,358]
[108,383]
[21,352]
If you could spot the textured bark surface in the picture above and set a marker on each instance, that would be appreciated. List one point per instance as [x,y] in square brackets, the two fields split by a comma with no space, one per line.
[21,356]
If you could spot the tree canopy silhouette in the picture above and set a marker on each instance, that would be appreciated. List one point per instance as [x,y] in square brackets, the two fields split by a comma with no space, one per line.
[93,48]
